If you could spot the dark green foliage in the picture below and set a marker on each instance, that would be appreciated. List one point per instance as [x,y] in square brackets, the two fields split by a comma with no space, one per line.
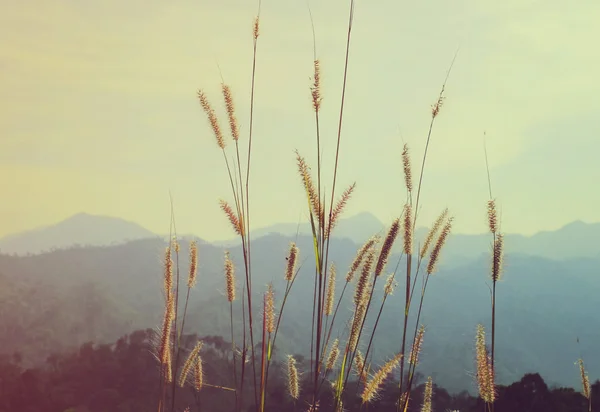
[123,377]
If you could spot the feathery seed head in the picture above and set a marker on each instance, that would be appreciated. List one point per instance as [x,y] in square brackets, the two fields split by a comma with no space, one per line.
[390,284]
[330,291]
[363,279]
[212,118]
[359,314]
[492,216]
[193,264]
[233,123]
[485,373]
[316,87]
[168,280]
[293,383]
[497,257]
[361,369]
[236,223]
[334,353]
[360,256]
[435,253]
[585,380]
[165,344]
[408,230]
[168,367]
[413,359]
[339,208]
[292,258]
[309,186]
[387,247]
[432,232]
[372,387]
[189,362]
[198,374]
[270,309]
[255,28]
[407,169]
[435,109]
[427,395]
[229,277]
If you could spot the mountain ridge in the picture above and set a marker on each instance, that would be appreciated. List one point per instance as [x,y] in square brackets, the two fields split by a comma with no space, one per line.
[575,239]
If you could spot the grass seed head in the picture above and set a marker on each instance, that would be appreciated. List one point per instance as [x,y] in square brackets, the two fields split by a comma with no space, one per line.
[229,277]
[497,257]
[330,291]
[193,264]
[407,169]
[372,387]
[433,232]
[427,395]
[293,383]
[292,258]
[387,247]
[233,123]
[212,119]
[437,248]
[270,309]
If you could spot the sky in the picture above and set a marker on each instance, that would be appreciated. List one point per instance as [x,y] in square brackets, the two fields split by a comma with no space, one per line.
[99,114]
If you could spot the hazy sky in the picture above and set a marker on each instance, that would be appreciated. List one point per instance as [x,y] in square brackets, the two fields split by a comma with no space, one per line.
[99,111]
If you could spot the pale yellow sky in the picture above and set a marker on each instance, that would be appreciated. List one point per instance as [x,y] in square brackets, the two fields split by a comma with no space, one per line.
[99,111]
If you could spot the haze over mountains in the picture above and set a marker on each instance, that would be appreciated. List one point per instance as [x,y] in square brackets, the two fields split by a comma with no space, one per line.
[576,239]
[80,229]
[547,299]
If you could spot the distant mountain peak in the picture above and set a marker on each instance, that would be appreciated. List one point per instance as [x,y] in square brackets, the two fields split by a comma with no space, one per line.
[79,229]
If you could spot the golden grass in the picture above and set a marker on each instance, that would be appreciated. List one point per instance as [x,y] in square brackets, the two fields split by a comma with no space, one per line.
[485,372]
[427,395]
[330,291]
[293,382]
[372,387]
[229,278]
[324,215]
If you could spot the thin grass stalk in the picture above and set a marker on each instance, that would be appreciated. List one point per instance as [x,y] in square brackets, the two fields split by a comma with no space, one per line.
[339,135]
[362,325]
[263,356]
[379,266]
[412,368]
[328,331]
[176,345]
[244,238]
[233,350]
[355,265]
[435,112]
[375,328]
[247,221]
[162,378]
[252,89]
[285,296]
[406,311]
[492,224]
[244,350]
[411,375]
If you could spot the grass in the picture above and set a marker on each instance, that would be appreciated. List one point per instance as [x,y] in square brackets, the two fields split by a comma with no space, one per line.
[333,358]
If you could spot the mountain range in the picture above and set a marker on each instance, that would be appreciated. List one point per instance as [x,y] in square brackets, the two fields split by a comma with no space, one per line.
[576,239]
[547,300]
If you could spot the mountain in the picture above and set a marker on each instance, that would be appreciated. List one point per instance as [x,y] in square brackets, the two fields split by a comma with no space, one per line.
[576,239]
[61,299]
[357,228]
[80,229]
